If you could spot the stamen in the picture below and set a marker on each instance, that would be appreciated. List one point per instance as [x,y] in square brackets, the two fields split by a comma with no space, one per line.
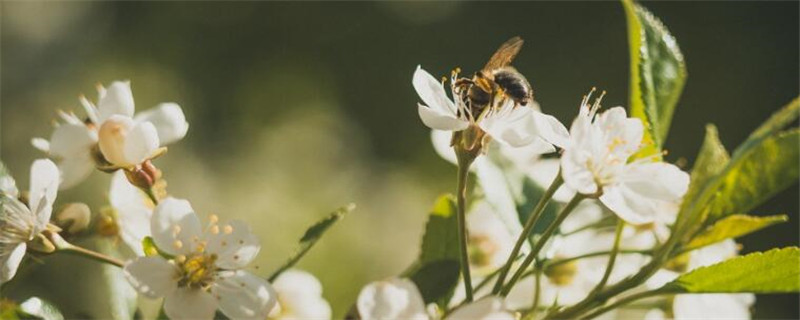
[177,244]
[227,229]
[214,230]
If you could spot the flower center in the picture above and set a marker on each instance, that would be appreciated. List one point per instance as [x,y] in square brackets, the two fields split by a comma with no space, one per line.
[562,274]
[197,270]
[482,249]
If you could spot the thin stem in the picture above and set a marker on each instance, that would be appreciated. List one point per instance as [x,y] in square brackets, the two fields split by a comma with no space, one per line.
[93,255]
[526,231]
[592,255]
[151,195]
[622,302]
[537,291]
[611,259]
[541,242]
[461,195]
[64,246]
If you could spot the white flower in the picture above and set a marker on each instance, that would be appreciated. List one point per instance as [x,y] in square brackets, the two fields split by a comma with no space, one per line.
[490,240]
[299,297]
[206,271]
[595,161]
[112,132]
[132,209]
[511,125]
[19,223]
[489,308]
[391,299]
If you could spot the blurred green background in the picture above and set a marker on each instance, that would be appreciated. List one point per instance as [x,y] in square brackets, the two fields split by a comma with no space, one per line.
[298,108]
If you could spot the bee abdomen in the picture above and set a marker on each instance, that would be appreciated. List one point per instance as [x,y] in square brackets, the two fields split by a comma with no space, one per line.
[514,84]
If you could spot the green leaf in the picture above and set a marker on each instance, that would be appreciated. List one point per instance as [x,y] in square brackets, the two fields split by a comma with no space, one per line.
[733,226]
[777,122]
[658,73]
[311,236]
[774,271]
[436,270]
[711,160]
[756,174]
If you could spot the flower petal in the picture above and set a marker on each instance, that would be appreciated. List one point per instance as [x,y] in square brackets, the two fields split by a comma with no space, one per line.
[441,144]
[153,276]
[44,188]
[511,126]
[75,170]
[713,306]
[141,142]
[242,295]
[440,120]
[485,309]
[234,245]
[656,180]
[72,140]
[432,92]
[391,299]
[10,260]
[550,129]
[176,229]
[628,205]
[117,99]
[190,304]
[168,120]
[576,174]
[297,281]
[133,213]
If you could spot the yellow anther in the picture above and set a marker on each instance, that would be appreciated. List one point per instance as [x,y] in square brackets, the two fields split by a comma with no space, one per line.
[227,229]
[214,229]
[176,230]
[177,244]
[213,219]
[180,258]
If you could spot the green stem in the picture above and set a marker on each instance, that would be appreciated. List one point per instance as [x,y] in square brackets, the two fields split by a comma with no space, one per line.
[66,247]
[592,255]
[551,229]
[151,195]
[526,231]
[623,301]
[611,259]
[461,195]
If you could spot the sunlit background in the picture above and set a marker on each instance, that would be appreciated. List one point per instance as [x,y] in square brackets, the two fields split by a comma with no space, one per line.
[298,108]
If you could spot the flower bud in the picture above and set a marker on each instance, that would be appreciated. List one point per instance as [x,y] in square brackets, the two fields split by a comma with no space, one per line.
[74,217]
[126,143]
[143,176]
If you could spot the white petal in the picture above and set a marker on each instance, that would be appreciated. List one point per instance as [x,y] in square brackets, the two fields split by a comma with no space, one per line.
[153,276]
[44,188]
[713,306]
[297,281]
[133,213]
[74,170]
[72,140]
[543,172]
[234,245]
[391,299]
[169,121]
[432,92]
[10,260]
[116,100]
[126,143]
[441,144]
[628,205]
[141,143]
[657,180]
[41,144]
[576,174]
[175,227]
[440,120]
[242,295]
[550,129]
[490,308]
[513,127]
[190,304]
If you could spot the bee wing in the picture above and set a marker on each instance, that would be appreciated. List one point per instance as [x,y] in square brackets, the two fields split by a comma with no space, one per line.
[504,55]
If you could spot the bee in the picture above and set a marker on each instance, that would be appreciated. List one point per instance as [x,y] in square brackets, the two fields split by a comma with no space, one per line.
[498,79]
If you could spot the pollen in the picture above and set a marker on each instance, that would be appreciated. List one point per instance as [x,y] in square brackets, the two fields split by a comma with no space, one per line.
[227,229]
[214,229]
[177,244]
